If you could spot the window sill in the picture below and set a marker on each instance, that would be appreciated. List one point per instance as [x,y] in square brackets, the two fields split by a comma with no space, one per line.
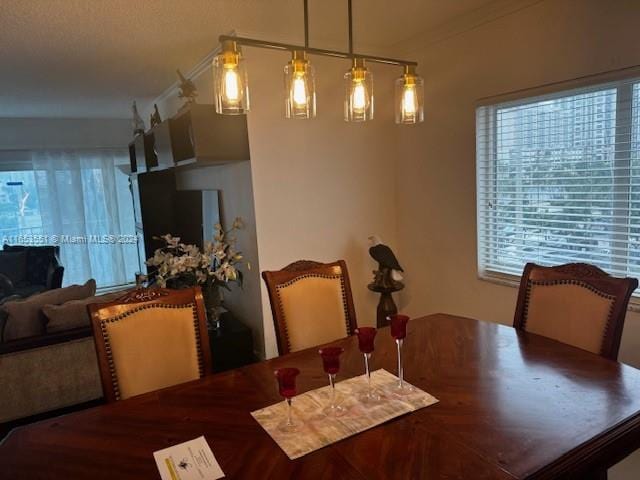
[114,288]
[513,281]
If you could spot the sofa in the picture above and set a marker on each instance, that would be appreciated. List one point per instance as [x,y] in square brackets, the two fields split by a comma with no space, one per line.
[27,270]
[47,354]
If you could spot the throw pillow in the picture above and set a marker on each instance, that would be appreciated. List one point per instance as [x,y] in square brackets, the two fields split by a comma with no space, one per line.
[74,314]
[25,317]
[14,266]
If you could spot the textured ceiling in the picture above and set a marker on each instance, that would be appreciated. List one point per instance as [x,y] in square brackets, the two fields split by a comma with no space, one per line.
[90,58]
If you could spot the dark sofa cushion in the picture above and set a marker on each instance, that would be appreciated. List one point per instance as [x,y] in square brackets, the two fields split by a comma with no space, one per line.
[25,317]
[14,266]
[38,260]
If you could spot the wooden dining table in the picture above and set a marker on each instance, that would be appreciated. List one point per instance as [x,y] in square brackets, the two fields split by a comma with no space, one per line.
[512,405]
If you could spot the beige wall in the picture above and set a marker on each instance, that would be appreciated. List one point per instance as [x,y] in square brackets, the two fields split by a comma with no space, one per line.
[551,41]
[321,186]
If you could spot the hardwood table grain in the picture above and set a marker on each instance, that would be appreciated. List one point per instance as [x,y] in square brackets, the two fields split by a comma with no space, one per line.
[512,405]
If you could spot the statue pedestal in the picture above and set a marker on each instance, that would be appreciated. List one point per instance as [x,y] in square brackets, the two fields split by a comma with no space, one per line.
[386,305]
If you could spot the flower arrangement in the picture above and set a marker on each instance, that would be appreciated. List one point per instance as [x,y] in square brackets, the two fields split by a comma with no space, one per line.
[215,265]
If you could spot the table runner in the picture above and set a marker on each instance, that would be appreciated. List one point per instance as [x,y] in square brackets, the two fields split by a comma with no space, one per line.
[316,430]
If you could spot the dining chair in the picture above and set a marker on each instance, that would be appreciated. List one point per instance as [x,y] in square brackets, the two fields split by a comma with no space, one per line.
[150,339]
[311,304]
[577,304]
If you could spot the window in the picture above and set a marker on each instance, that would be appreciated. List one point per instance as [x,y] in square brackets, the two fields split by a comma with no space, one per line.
[19,208]
[558,180]
[79,201]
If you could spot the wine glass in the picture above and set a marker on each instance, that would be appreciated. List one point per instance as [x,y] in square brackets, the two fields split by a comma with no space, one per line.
[366,336]
[399,332]
[331,364]
[287,387]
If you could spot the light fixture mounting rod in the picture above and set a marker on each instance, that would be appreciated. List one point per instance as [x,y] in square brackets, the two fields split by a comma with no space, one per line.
[350,27]
[252,42]
[306,23]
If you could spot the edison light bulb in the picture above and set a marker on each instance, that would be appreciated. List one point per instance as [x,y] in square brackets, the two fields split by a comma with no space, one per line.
[358,95]
[231,87]
[299,91]
[409,97]
[230,80]
[299,84]
[409,103]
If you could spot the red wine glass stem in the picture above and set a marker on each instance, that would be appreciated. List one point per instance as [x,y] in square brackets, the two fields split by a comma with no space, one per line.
[332,382]
[399,343]
[289,422]
[367,371]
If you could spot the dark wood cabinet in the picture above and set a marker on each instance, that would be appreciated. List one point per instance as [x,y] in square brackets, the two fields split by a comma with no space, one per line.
[133,163]
[160,208]
[142,155]
[195,136]
[200,136]
[231,345]
[162,146]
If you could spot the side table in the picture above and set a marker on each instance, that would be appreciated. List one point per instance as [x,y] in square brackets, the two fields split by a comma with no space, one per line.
[231,345]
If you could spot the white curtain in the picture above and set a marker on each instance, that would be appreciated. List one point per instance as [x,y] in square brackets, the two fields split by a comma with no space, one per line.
[85,203]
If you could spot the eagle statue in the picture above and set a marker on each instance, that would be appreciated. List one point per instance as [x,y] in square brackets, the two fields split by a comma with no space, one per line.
[388,274]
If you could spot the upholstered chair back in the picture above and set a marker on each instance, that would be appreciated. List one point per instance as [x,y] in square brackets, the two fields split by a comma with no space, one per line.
[577,304]
[150,339]
[311,304]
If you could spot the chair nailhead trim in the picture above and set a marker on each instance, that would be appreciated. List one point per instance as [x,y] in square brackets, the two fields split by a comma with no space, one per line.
[314,275]
[108,350]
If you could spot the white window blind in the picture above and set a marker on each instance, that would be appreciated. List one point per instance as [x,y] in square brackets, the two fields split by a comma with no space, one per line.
[558,180]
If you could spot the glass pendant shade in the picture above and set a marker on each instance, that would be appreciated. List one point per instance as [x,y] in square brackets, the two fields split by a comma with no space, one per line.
[358,100]
[409,97]
[300,87]
[230,78]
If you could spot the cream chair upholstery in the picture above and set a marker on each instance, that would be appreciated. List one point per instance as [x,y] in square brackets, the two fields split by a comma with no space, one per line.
[152,343]
[311,304]
[576,304]
[570,313]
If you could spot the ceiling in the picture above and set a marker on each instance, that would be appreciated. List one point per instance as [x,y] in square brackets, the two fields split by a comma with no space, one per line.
[90,58]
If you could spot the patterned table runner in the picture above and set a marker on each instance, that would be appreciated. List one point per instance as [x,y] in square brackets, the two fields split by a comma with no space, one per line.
[316,430]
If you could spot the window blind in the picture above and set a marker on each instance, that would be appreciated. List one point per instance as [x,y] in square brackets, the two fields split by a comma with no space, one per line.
[558,180]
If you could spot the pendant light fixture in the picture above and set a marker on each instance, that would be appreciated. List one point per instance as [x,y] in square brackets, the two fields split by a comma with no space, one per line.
[230,76]
[300,87]
[358,99]
[409,97]
[232,90]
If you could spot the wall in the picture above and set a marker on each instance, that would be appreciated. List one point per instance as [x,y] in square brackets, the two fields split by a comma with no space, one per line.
[547,42]
[321,186]
[53,133]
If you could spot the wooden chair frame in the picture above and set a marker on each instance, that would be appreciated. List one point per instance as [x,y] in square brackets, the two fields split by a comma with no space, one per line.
[132,302]
[296,270]
[587,276]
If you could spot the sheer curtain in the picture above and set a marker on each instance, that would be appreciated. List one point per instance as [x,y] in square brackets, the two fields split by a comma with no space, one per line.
[86,208]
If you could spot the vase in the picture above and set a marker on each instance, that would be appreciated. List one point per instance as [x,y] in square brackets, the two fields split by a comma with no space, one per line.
[213,305]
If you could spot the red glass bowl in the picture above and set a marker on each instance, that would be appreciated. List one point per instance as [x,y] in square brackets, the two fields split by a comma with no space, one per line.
[398,326]
[366,337]
[287,381]
[331,359]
